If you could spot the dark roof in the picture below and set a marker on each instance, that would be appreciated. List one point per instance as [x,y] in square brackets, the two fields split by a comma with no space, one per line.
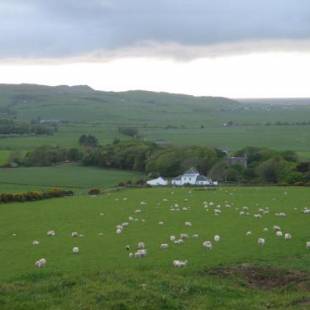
[202,178]
[191,171]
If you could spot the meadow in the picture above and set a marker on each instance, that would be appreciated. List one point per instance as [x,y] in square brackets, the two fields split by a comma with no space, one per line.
[236,274]
[67,176]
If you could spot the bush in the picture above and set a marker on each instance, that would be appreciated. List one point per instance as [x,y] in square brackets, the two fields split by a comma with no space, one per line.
[94,191]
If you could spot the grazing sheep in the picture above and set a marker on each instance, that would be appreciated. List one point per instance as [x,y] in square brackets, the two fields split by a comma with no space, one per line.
[161,223]
[141,245]
[51,233]
[195,236]
[179,241]
[119,231]
[172,238]
[217,238]
[275,227]
[164,246]
[279,233]
[265,229]
[140,253]
[287,236]
[130,255]
[75,250]
[261,241]
[74,234]
[308,244]
[184,236]
[179,263]
[248,233]
[35,242]
[188,224]
[207,245]
[40,263]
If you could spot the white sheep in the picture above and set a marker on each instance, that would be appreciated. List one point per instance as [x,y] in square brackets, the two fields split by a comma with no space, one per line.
[179,263]
[35,242]
[51,233]
[184,236]
[41,263]
[74,234]
[195,236]
[75,250]
[276,227]
[217,238]
[207,245]
[164,246]
[308,244]
[188,224]
[172,238]
[261,241]
[141,245]
[179,241]
[279,233]
[140,253]
[248,233]
[130,255]
[119,231]
[287,236]
[161,223]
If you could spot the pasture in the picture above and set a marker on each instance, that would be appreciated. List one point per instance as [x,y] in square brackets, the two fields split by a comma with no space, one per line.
[68,176]
[103,275]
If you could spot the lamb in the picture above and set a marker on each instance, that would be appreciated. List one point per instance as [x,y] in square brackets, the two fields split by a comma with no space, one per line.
[207,245]
[75,250]
[164,246]
[261,241]
[179,263]
[74,234]
[35,242]
[217,238]
[41,263]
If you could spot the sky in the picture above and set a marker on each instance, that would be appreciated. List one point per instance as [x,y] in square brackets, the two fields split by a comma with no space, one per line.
[231,48]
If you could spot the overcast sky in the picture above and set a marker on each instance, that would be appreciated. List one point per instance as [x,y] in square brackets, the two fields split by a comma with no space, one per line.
[82,41]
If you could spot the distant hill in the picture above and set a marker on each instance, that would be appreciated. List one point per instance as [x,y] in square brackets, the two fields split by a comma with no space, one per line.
[82,103]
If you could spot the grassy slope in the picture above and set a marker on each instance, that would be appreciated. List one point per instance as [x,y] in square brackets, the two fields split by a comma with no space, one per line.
[101,113]
[102,275]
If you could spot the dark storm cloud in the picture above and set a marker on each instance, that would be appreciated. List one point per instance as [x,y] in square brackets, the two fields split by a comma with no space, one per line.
[70,28]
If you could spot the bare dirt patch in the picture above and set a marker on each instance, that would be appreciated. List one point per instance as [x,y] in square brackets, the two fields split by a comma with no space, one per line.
[265,277]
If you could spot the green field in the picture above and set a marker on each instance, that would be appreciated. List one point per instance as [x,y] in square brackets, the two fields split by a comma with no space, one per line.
[102,275]
[69,176]
[192,120]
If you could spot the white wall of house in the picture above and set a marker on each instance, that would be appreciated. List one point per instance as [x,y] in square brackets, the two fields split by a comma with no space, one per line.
[157,182]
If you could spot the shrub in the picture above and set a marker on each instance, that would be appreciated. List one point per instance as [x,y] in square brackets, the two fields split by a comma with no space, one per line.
[94,191]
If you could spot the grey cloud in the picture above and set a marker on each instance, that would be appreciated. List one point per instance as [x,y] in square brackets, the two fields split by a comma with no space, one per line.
[70,28]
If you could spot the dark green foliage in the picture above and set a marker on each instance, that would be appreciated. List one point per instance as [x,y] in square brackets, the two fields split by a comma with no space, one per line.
[88,140]
[94,191]
[33,196]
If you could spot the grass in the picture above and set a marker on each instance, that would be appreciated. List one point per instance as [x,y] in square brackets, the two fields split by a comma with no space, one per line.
[69,176]
[102,275]
[4,156]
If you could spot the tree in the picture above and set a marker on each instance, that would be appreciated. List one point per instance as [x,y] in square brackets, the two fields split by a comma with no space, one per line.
[88,140]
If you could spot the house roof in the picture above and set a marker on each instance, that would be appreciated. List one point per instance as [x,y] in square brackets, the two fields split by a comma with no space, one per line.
[202,178]
[191,171]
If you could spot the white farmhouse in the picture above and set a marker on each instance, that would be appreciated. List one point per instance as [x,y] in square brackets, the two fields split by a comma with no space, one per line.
[157,182]
[193,177]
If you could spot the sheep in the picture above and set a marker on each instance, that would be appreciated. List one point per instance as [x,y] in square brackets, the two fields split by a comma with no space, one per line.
[287,236]
[74,234]
[130,255]
[308,244]
[75,250]
[184,236]
[217,238]
[141,245]
[119,231]
[195,236]
[207,245]
[275,227]
[188,224]
[179,263]
[40,263]
[160,223]
[265,229]
[164,246]
[35,242]
[172,238]
[261,241]
[51,233]
[179,241]
[279,233]
[140,253]
[248,233]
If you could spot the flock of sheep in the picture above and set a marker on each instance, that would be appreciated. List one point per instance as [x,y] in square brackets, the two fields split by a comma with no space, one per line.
[140,251]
